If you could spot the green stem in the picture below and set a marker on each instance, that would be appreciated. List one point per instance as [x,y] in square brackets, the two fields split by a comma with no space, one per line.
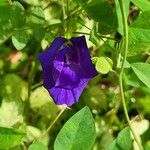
[99,35]
[36,85]
[63,9]
[125,23]
[51,125]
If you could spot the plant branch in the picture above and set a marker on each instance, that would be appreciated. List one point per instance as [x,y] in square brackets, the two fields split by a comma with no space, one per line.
[125,23]
[99,35]
[51,124]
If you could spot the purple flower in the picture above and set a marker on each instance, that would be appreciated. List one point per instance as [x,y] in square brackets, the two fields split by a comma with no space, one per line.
[67,68]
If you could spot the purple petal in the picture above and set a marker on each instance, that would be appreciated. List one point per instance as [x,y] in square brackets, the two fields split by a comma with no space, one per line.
[62,96]
[67,68]
[78,90]
[46,58]
[85,60]
[69,77]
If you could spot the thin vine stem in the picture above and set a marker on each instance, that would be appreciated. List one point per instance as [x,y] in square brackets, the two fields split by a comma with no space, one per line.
[52,124]
[99,35]
[123,10]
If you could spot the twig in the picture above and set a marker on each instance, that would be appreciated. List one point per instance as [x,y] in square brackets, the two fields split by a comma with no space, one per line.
[51,124]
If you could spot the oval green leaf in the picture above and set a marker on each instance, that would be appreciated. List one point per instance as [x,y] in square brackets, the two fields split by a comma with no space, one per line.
[37,15]
[77,133]
[142,70]
[124,139]
[17,15]
[10,137]
[144,5]
[20,39]
[139,35]
[38,146]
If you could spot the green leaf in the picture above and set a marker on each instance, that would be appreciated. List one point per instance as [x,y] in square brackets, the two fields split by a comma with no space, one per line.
[13,94]
[124,139]
[38,32]
[144,104]
[12,112]
[104,65]
[42,103]
[147,146]
[4,11]
[105,14]
[144,5]
[102,12]
[14,91]
[77,133]
[17,15]
[10,137]
[5,24]
[139,35]
[37,15]
[18,147]
[19,39]
[119,14]
[38,146]
[53,12]
[5,31]
[113,146]
[142,70]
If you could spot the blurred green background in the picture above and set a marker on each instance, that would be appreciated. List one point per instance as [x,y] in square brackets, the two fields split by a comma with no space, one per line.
[28,27]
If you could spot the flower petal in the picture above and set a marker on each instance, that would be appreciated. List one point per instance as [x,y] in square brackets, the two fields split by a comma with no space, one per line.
[62,96]
[85,60]
[46,59]
[78,90]
[47,56]
[68,77]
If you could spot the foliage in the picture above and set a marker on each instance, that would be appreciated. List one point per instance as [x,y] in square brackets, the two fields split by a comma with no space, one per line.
[97,121]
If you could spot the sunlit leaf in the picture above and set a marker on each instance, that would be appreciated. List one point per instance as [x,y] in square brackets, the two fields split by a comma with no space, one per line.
[142,70]
[38,146]
[124,140]
[42,103]
[20,39]
[139,34]
[37,15]
[10,137]
[13,94]
[143,5]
